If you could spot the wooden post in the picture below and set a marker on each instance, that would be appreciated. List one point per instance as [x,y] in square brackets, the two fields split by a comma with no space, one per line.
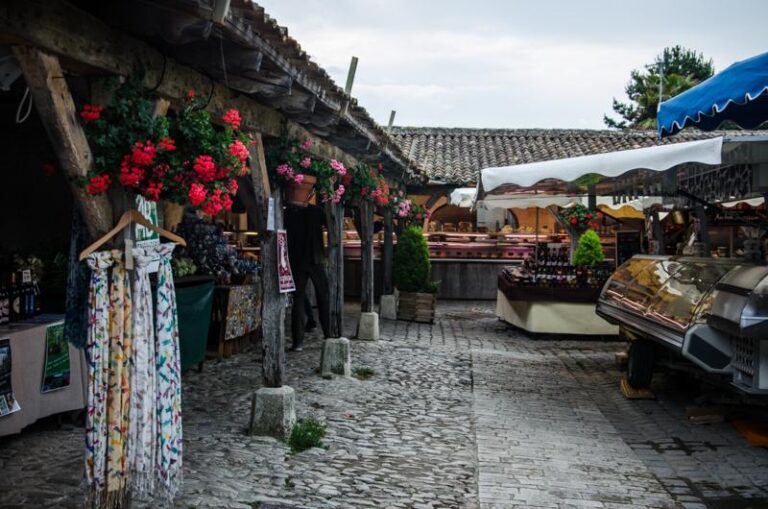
[334,215]
[56,108]
[273,302]
[387,254]
[366,246]
[273,306]
[658,233]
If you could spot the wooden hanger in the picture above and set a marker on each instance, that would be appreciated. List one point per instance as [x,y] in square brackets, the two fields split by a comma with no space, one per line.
[131,216]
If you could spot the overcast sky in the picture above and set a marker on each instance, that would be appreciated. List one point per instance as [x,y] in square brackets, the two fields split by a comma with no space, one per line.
[513,63]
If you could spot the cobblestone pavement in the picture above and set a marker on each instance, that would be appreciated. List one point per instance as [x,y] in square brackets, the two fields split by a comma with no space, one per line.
[464,413]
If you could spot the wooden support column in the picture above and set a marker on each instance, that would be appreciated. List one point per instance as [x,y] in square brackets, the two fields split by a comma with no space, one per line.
[54,104]
[366,246]
[658,234]
[272,301]
[334,215]
[387,254]
[273,305]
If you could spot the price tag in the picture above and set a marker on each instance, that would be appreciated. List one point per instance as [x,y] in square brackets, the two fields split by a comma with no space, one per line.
[26,276]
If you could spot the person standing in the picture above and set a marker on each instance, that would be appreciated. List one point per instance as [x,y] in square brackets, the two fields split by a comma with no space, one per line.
[306,252]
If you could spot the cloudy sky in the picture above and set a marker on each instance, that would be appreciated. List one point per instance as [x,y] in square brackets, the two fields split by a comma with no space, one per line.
[509,63]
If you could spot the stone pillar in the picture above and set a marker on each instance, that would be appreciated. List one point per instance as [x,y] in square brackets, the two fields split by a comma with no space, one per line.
[335,359]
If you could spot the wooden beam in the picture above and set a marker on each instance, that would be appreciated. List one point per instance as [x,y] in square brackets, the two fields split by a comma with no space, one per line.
[334,218]
[57,27]
[273,305]
[366,246]
[387,253]
[54,104]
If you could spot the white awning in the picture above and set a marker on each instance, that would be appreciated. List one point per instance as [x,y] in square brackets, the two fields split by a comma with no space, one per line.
[611,164]
[463,196]
[524,201]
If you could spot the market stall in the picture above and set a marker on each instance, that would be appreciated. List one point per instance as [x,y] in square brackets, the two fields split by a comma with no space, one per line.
[611,165]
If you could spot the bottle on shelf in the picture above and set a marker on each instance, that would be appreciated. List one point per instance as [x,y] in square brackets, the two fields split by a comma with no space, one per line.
[15,297]
[5,303]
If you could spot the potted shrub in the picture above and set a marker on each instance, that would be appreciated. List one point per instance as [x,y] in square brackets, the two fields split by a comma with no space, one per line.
[588,254]
[413,278]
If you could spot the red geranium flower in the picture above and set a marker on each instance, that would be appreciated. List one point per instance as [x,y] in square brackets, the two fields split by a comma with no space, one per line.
[197,194]
[167,144]
[153,191]
[232,117]
[205,168]
[574,220]
[233,186]
[91,112]
[98,184]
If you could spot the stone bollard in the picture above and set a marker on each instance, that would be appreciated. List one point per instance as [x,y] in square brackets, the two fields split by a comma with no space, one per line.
[335,359]
[368,328]
[388,307]
[273,412]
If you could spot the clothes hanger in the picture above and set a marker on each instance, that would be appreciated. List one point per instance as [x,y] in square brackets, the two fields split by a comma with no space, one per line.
[130,216]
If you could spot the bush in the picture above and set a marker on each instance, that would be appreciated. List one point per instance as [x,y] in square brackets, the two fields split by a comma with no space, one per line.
[363,373]
[589,251]
[307,433]
[412,269]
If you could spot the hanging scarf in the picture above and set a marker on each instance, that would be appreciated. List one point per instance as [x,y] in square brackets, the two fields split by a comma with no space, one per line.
[168,461]
[142,436]
[96,431]
[118,399]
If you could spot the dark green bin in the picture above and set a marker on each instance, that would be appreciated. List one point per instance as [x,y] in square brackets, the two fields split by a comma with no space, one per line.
[194,298]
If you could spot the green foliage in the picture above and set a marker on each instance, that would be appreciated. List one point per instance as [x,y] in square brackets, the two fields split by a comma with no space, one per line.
[128,119]
[589,251]
[363,373]
[307,433]
[683,68]
[412,268]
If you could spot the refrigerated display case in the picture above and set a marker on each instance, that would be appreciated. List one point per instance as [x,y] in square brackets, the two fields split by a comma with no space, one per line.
[714,312]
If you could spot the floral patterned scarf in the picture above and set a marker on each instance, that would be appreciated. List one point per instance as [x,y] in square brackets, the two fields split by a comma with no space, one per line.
[97,349]
[142,442]
[168,460]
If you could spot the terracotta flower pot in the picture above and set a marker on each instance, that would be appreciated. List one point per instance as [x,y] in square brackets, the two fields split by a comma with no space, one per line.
[300,194]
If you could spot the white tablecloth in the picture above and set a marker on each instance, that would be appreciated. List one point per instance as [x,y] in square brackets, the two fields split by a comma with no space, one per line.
[27,362]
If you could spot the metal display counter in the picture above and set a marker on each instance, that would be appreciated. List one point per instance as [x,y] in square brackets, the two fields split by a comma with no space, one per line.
[713,312]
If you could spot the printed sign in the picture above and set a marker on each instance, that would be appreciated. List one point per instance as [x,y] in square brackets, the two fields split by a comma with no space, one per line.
[285,276]
[8,403]
[56,370]
[145,236]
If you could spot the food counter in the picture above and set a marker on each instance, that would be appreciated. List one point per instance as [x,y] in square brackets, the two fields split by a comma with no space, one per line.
[552,299]
[711,311]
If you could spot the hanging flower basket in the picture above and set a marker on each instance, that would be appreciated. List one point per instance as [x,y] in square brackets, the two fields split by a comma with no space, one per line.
[300,192]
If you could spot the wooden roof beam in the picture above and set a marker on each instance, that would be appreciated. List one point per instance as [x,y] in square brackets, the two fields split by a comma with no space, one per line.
[56,26]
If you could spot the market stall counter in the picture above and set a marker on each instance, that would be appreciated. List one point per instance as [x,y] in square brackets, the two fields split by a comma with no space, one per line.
[552,299]
[41,372]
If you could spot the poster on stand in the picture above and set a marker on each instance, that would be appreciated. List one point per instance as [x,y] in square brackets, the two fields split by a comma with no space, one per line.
[8,403]
[284,273]
[56,369]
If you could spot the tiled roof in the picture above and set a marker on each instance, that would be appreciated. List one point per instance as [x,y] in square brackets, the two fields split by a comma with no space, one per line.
[456,155]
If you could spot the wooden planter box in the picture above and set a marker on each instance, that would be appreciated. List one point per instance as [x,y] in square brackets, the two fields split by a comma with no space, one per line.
[416,307]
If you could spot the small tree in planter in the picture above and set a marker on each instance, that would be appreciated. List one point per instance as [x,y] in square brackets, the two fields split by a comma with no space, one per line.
[413,277]
[589,252]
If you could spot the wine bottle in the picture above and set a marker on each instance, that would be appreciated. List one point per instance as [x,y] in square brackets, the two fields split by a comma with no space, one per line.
[15,300]
[4,303]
